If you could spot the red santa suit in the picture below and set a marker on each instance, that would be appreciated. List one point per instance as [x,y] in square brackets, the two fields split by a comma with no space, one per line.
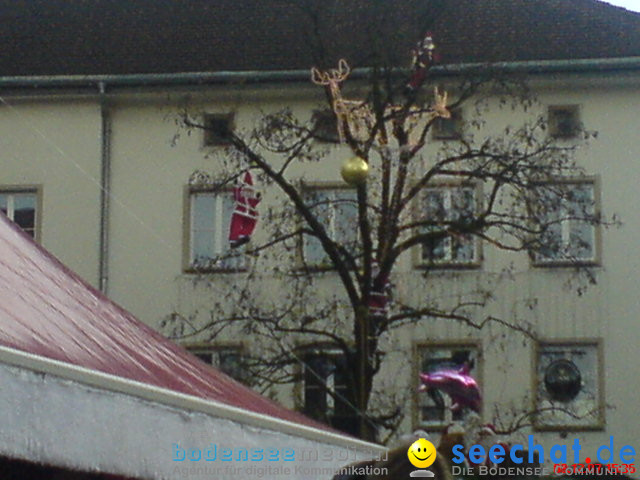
[245,213]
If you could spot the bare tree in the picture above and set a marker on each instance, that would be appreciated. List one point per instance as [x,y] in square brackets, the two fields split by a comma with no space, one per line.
[311,284]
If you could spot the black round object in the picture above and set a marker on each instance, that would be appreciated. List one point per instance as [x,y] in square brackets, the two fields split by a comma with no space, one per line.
[562,380]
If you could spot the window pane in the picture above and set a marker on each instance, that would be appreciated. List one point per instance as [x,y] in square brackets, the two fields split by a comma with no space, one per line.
[337,211]
[462,249]
[231,362]
[203,211]
[581,243]
[551,241]
[206,357]
[21,208]
[210,221]
[435,208]
[325,389]
[462,204]
[346,218]
[203,249]
[317,200]
[435,405]
[232,258]
[450,204]
[202,228]
[571,236]
[26,218]
[568,385]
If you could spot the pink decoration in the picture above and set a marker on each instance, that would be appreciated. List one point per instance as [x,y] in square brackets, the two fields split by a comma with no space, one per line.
[245,214]
[458,384]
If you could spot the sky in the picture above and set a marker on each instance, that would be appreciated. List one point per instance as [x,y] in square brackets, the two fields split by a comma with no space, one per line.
[628,4]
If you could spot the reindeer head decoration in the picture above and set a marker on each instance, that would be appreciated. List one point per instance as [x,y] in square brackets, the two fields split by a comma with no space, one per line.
[354,115]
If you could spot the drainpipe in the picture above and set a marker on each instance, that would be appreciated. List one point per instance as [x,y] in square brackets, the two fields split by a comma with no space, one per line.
[105,188]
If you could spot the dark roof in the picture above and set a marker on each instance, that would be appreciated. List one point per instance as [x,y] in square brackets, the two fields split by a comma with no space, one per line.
[87,37]
[47,310]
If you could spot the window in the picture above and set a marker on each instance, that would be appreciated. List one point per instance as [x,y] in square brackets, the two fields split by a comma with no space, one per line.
[564,121]
[337,211]
[21,206]
[448,128]
[434,407]
[568,216]
[569,385]
[325,376]
[209,219]
[217,129]
[443,206]
[230,359]
[325,126]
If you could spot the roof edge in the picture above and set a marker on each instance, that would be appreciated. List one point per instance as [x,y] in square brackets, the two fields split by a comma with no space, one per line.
[113,383]
[268,76]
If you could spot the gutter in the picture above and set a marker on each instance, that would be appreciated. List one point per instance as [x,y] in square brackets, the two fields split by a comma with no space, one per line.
[623,64]
[181,401]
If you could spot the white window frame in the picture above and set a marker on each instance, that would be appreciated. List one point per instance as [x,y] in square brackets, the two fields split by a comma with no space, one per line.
[560,416]
[11,192]
[330,413]
[220,231]
[332,228]
[448,261]
[215,350]
[568,225]
[422,400]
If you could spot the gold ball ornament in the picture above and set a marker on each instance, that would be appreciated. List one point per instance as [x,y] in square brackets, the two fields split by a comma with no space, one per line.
[355,171]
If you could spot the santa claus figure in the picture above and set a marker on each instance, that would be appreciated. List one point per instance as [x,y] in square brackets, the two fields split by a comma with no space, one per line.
[424,56]
[245,213]
[378,298]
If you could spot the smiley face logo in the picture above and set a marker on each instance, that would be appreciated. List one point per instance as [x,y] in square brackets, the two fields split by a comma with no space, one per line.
[422,453]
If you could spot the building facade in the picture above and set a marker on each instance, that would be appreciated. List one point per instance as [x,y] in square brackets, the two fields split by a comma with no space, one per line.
[97,167]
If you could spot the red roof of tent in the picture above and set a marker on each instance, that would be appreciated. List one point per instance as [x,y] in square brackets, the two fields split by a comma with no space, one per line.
[48,310]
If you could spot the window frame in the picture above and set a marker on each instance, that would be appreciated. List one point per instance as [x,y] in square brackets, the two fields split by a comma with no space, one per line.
[599,421]
[450,264]
[35,190]
[209,138]
[323,351]
[452,134]
[215,348]
[324,125]
[302,258]
[187,251]
[568,262]
[576,124]
[418,346]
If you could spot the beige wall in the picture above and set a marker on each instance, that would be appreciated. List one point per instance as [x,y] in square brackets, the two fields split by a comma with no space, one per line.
[49,142]
[54,143]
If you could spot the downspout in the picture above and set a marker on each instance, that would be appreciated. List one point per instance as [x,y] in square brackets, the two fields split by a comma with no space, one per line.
[105,189]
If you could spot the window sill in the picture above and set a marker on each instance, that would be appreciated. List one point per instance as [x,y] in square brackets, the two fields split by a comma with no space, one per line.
[449,266]
[595,427]
[212,270]
[564,263]
[320,268]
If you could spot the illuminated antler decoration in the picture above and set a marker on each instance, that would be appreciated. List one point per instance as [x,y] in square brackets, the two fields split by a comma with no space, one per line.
[439,108]
[352,114]
[357,117]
